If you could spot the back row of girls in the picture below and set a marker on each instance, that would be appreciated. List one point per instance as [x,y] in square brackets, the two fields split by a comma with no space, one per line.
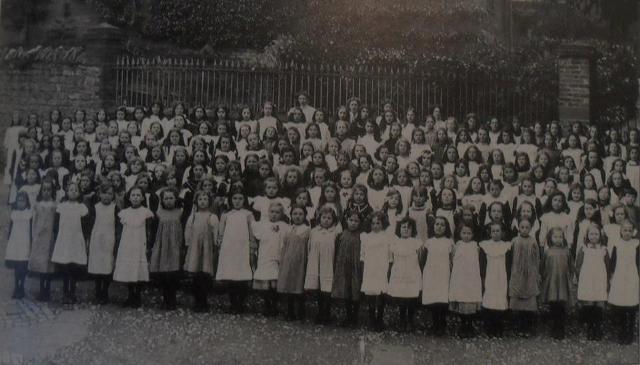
[478,175]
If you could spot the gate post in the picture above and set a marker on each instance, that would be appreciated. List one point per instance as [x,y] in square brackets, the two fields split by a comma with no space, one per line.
[575,73]
[104,43]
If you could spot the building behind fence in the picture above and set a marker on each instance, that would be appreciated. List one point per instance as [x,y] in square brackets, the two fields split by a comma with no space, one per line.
[141,81]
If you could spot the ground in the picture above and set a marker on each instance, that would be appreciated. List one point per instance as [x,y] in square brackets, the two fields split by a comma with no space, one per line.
[36,333]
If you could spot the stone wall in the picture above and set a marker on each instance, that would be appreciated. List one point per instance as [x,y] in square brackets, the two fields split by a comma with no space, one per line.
[41,87]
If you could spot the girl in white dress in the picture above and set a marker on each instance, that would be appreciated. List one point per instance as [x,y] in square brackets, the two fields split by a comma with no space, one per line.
[270,233]
[494,269]
[624,293]
[465,287]
[19,245]
[375,255]
[435,277]
[405,281]
[70,249]
[131,261]
[319,274]
[102,242]
[591,266]
[238,250]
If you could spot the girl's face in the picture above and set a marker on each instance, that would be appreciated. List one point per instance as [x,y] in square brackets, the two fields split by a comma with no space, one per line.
[419,200]
[527,187]
[46,190]
[330,194]
[80,163]
[169,200]
[369,128]
[413,169]
[473,154]
[317,159]
[237,201]
[526,211]
[403,148]
[319,178]
[203,201]
[383,152]
[452,154]
[353,223]
[589,211]
[359,196]
[496,213]
[345,180]
[253,140]
[447,197]
[563,175]
[180,156]
[495,190]
[557,238]
[275,214]
[32,177]
[402,178]
[225,144]
[264,170]
[418,136]
[21,202]
[56,159]
[271,189]
[603,194]
[576,195]
[120,115]
[292,135]
[395,131]
[626,231]
[593,235]
[557,203]
[497,157]
[251,163]
[436,171]
[476,186]
[496,232]
[439,227]
[376,225]
[287,157]
[466,234]
[619,215]
[449,182]
[297,216]
[405,230]
[174,138]
[364,164]
[616,179]
[377,176]
[302,200]
[341,129]
[326,220]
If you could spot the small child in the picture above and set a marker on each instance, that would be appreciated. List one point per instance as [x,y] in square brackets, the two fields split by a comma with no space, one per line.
[293,263]
[131,261]
[374,254]
[525,277]
[19,245]
[270,234]
[347,276]
[102,242]
[237,248]
[495,268]
[405,281]
[435,276]
[465,287]
[557,270]
[167,251]
[319,275]
[70,249]
[200,232]
[625,286]
[591,267]
[43,235]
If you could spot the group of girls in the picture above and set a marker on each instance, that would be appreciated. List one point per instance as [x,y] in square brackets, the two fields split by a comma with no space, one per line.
[463,218]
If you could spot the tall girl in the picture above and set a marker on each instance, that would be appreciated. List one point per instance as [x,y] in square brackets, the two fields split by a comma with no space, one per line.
[102,242]
[495,268]
[131,261]
[375,254]
[524,282]
[557,271]
[625,286]
[319,275]
[465,287]
[293,263]
[70,251]
[237,246]
[19,245]
[435,276]
[43,235]
[591,268]
[556,214]
[347,276]
[200,233]
[270,234]
[166,255]
[405,281]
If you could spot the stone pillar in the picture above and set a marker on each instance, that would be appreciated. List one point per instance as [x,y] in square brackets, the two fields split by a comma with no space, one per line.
[575,72]
[105,43]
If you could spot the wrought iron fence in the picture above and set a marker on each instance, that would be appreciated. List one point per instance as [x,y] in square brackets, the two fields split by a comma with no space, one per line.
[141,81]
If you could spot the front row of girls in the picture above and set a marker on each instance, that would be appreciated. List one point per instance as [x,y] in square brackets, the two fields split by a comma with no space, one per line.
[359,257]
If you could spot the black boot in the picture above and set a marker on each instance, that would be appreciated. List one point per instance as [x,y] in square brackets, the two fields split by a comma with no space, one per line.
[371,309]
[291,307]
[380,304]
[320,317]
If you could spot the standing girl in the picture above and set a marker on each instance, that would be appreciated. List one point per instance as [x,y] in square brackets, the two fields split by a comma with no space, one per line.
[375,255]
[200,233]
[625,286]
[166,255]
[102,242]
[270,234]
[131,261]
[319,275]
[435,277]
[237,247]
[70,249]
[43,235]
[405,281]
[557,270]
[591,267]
[293,263]
[465,288]
[19,245]
[347,276]
[495,269]
[525,277]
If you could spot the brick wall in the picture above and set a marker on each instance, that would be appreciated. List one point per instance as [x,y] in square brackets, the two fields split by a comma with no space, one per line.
[41,87]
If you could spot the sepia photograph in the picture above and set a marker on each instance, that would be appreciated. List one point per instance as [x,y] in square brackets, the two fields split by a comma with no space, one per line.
[359,182]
